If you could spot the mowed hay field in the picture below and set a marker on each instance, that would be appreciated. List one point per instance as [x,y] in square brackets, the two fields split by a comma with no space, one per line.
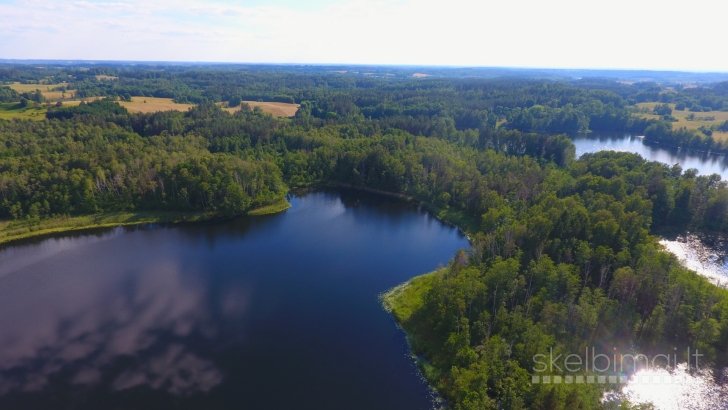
[146,105]
[276,109]
[143,104]
[152,104]
[720,117]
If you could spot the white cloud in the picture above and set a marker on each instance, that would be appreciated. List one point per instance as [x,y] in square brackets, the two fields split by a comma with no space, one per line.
[560,33]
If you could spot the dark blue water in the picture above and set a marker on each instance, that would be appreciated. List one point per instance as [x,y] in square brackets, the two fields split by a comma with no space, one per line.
[274,312]
[705,163]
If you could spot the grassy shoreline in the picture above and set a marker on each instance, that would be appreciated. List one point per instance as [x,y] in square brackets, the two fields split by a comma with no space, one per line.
[402,301]
[273,208]
[16,230]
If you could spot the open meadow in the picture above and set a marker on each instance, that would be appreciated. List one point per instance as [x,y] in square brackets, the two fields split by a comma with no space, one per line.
[8,111]
[699,121]
[139,104]
[45,89]
[152,104]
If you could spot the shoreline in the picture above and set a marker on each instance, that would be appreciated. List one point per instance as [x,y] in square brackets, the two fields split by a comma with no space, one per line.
[11,231]
[404,300]
[448,216]
[681,148]
[647,142]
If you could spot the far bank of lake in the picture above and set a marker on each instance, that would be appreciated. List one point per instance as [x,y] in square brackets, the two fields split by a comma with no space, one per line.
[275,311]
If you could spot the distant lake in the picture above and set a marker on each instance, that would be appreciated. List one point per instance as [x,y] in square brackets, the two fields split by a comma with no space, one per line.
[274,312]
[705,254]
[705,163]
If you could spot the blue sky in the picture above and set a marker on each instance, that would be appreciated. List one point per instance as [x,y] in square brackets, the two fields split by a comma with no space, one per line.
[640,34]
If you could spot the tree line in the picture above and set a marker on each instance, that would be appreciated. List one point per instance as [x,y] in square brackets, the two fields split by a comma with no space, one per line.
[562,254]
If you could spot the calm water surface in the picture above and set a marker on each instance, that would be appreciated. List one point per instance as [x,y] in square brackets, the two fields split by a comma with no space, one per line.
[275,312]
[705,163]
[676,389]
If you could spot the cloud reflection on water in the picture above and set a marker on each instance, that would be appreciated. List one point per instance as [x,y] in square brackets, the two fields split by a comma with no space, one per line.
[77,325]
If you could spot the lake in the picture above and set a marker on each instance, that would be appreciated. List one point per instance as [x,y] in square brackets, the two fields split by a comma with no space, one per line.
[705,163]
[273,312]
[706,254]
[680,388]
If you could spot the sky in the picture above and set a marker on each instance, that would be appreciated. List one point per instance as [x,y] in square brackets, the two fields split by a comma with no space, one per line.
[617,34]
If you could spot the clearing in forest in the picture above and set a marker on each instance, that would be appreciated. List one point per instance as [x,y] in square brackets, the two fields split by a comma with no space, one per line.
[45,89]
[276,109]
[152,104]
[698,120]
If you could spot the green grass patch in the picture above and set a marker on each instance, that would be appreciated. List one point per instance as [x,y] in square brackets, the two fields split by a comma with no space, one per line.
[24,228]
[8,111]
[273,208]
[402,301]
[20,229]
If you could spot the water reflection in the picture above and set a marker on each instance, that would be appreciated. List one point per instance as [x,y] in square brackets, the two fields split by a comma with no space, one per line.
[705,254]
[274,312]
[679,389]
[705,163]
[20,254]
[97,318]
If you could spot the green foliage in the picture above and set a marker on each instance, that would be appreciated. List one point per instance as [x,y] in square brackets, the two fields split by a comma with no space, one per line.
[567,269]
[663,109]
[561,256]
[662,133]
[69,167]
[101,108]
[7,94]
[235,101]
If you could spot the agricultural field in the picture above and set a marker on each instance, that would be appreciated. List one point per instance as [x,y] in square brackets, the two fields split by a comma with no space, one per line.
[720,117]
[45,89]
[143,104]
[138,104]
[9,111]
[79,101]
[152,104]
[106,78]
[276,109]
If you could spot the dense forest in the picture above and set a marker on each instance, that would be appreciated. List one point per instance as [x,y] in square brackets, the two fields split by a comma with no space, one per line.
[530,101]
[92,164]
[561,255]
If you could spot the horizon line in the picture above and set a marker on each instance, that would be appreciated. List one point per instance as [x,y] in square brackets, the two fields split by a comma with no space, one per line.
[184,62]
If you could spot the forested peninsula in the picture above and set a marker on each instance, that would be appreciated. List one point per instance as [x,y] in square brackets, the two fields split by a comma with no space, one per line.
[562,257]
